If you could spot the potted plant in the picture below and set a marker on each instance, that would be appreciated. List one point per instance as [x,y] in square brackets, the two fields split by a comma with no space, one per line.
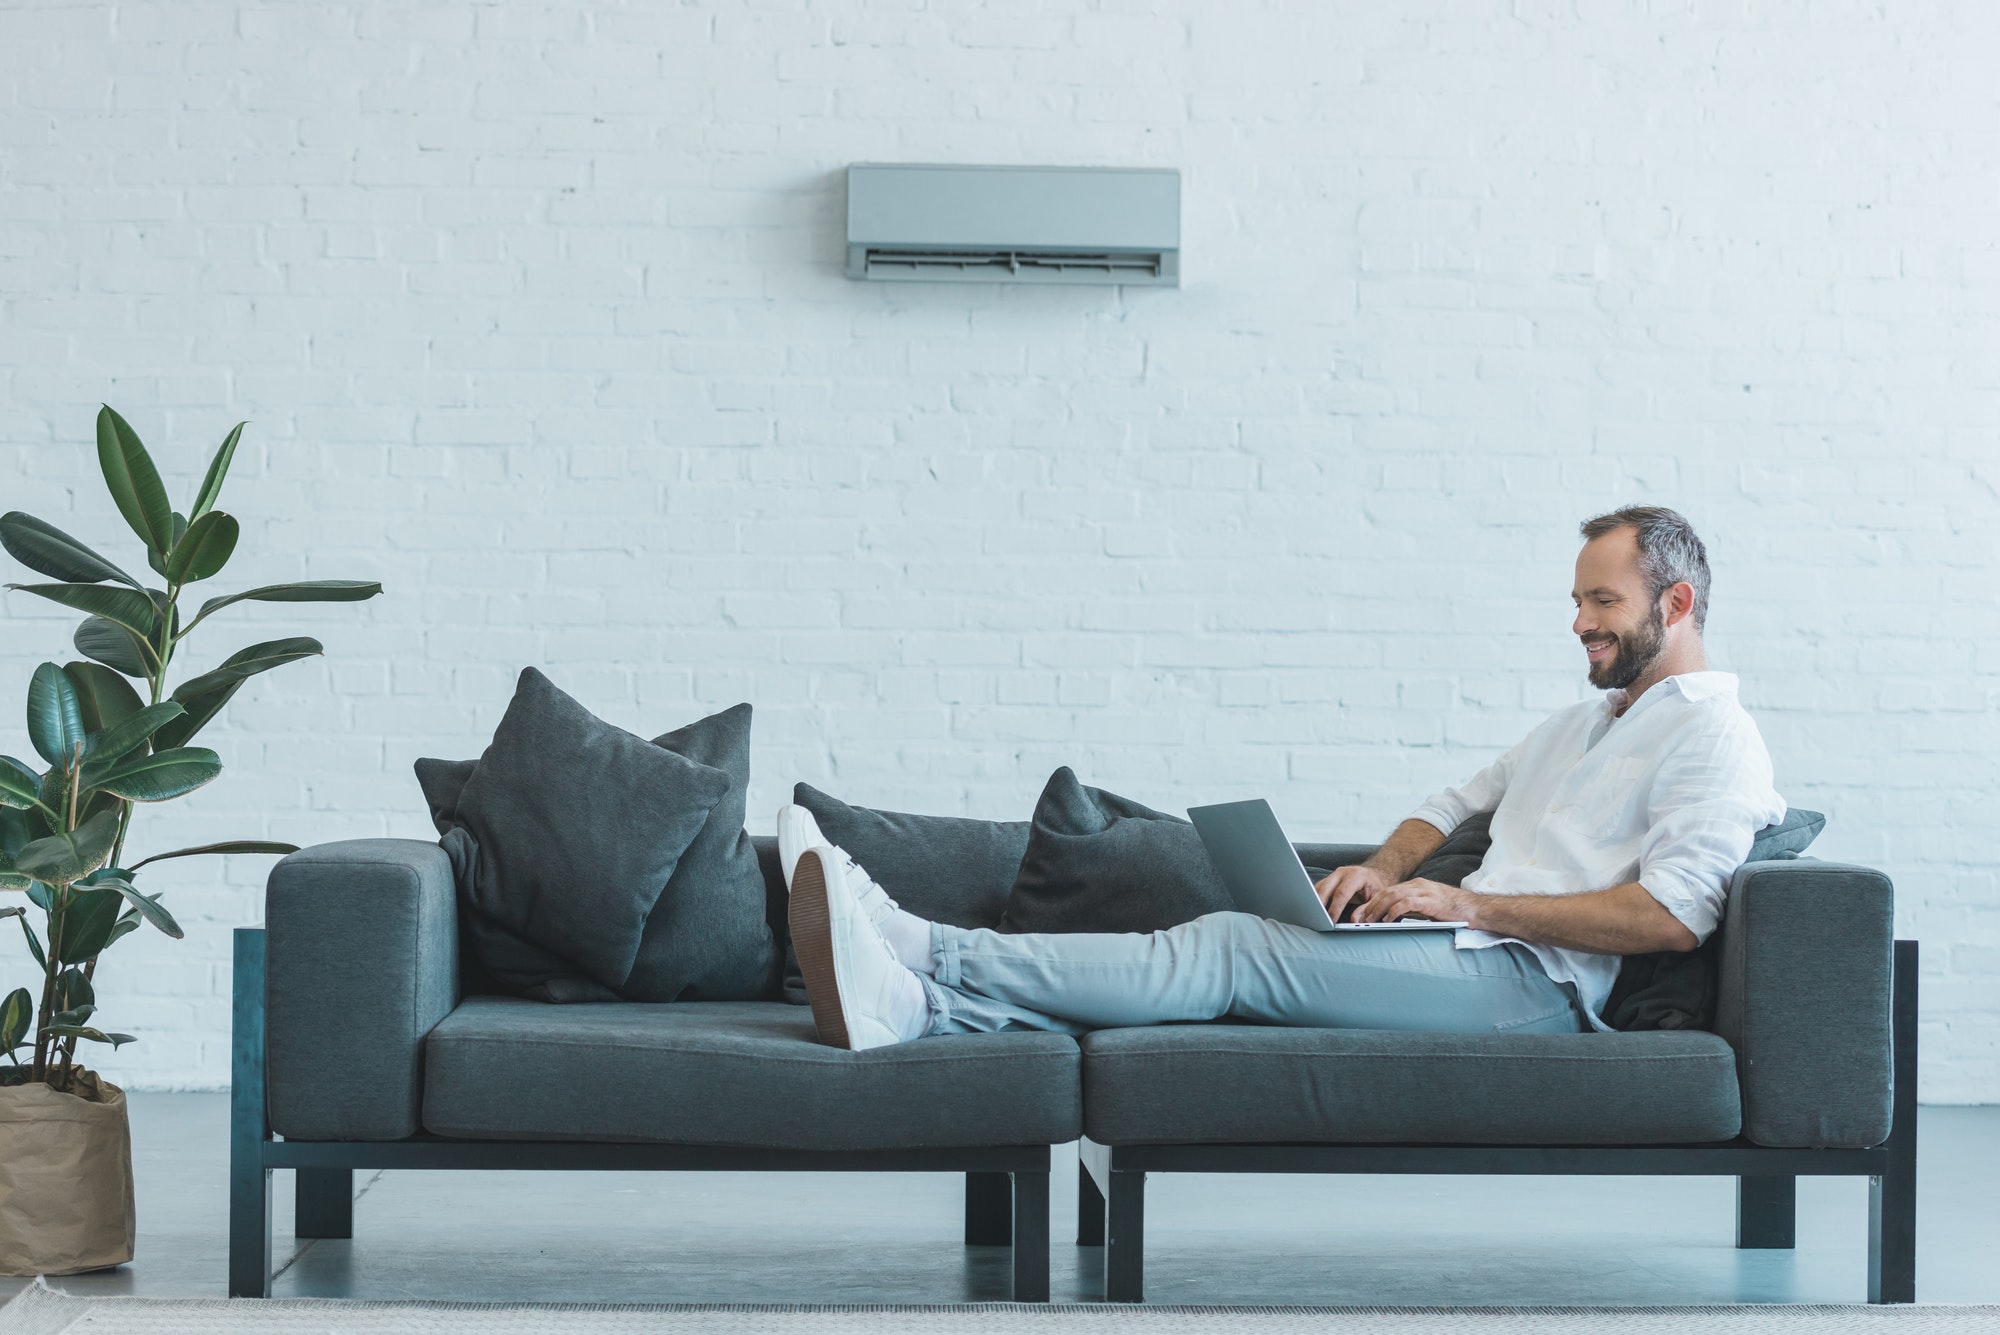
[105,744]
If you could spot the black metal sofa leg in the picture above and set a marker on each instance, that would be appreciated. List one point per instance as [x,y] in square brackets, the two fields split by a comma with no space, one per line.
[1089,1210]
[1125,1239]
[989,1210]
[249,1179]
[1892,1197]
[1767,1211]
[1031,1237]
[325,1203]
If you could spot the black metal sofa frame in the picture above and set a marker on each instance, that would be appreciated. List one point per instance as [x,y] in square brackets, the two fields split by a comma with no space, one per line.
[1006,1186]
[1111,1191]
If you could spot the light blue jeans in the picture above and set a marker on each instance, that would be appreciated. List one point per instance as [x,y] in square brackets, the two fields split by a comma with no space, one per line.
[1242,967]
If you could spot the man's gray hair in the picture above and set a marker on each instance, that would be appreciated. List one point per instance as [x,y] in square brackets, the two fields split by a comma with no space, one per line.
[1669,551]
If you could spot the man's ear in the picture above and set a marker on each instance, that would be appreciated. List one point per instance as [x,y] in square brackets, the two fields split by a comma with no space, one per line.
[1680,602]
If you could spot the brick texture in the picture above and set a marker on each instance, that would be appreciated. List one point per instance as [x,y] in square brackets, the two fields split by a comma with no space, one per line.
[538,315]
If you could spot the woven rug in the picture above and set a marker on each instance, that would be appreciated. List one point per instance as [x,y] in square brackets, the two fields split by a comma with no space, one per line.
[41,1310]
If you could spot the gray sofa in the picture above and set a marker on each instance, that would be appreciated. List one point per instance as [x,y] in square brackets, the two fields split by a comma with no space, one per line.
[356,1047]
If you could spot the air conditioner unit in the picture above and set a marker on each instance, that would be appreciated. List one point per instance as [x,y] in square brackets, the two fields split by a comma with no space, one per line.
[947,224]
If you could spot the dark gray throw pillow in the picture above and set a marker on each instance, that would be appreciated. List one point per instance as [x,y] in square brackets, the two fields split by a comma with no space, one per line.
[707,939]
[577,828]
[1791,836]
[951,869]
[1098,862]
[1461,852]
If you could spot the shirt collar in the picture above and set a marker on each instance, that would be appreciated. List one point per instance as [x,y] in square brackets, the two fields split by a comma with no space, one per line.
[1691,685]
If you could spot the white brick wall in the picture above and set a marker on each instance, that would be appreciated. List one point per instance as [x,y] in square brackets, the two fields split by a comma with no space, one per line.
[539,316]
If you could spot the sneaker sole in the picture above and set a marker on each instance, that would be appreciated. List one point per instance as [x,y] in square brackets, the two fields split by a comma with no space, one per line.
[812,941]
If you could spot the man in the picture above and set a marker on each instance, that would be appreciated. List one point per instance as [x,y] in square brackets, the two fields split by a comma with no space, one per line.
[1616,824]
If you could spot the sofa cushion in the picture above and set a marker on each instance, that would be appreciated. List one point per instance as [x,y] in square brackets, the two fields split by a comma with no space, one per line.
[1098,862]
[735,1073]
[1235,1084]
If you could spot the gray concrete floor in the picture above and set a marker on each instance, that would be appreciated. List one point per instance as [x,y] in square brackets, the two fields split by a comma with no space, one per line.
[894,1238]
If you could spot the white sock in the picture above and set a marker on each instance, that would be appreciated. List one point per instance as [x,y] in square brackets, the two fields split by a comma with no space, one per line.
[909,1011]
[910,937]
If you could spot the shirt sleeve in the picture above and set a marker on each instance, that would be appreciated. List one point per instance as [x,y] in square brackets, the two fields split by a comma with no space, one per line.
[1708,799]
[1482,792]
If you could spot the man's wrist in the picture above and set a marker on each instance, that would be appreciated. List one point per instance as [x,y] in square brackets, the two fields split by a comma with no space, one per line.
[1391,868]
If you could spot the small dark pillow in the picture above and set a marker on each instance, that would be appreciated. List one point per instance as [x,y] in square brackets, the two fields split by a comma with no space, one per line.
[949,869]
[577,826]
[563,838]
[1097,862]
[1791,836]
[1461,852]
[707,939]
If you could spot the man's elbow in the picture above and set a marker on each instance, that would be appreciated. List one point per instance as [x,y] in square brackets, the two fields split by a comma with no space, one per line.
[1674,935]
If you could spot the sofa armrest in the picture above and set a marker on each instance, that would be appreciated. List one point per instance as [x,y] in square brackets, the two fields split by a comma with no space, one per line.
[362,960]
[1804,998]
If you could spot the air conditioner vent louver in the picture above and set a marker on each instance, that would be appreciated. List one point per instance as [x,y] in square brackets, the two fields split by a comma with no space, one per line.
[950,224]
[1014,265]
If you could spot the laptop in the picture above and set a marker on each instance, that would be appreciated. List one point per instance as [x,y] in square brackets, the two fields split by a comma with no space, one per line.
[1264,875]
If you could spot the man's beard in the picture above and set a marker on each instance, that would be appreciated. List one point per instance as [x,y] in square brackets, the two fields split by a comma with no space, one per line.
[1635,653]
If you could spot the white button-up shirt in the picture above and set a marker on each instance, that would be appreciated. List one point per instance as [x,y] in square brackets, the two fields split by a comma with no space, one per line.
[1668,795]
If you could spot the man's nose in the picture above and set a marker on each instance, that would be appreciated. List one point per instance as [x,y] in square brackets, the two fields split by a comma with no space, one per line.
[1581,625]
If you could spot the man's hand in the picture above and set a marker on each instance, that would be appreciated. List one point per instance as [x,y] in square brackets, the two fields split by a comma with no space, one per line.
[1429,899]
[1358,883]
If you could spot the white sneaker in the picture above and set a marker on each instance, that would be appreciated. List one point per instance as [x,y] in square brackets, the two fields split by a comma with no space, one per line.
[861,996]
[798,831]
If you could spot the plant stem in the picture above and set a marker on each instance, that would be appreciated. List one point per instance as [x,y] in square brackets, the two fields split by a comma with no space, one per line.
[157,683]
[57,905]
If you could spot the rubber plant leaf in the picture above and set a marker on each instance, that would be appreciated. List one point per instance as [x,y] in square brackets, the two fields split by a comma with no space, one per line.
[86,926]
[233,846]
[121,739]
[111,644]
[218,469]
[162,774]
[149,908]
[305,591]
[105,697]
[134,482]
[84,1031]
[55,719]
[131,608]
[19,785]
[45,548]
[70,855]
[17,1012]
[204,550]
[248,663]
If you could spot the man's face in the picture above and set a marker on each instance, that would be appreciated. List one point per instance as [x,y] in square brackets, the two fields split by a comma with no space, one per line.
[1623,631]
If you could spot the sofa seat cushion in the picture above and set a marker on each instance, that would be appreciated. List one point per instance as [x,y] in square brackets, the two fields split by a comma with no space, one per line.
[735,1073]
[1240,1084]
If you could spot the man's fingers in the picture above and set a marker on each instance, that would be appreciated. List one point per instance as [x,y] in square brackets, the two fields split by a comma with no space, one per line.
[1386,906]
